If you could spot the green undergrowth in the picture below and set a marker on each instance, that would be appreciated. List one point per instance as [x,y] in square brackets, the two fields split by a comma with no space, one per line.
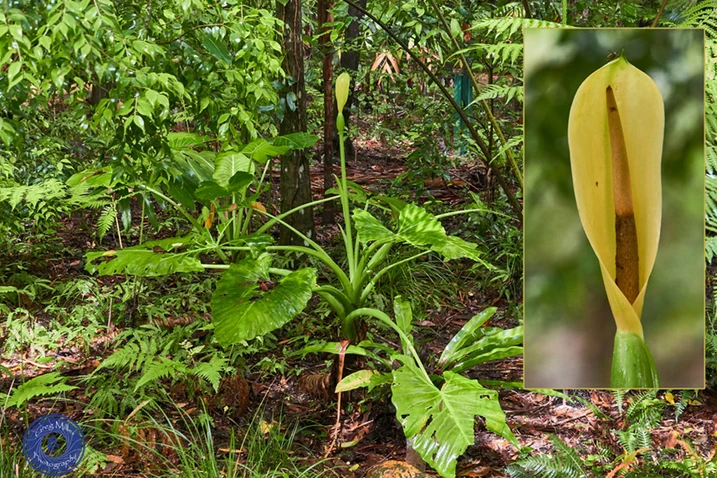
[163,440]
[629,450]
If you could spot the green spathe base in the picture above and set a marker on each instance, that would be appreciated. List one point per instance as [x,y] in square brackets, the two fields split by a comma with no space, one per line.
[632,363]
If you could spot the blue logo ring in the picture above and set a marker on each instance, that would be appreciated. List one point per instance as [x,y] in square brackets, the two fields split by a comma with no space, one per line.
[50,426]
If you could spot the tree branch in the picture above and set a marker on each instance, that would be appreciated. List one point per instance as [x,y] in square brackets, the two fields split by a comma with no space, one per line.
[659,13]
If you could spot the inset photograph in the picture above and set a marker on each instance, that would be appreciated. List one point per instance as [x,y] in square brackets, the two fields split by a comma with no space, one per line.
[614,208]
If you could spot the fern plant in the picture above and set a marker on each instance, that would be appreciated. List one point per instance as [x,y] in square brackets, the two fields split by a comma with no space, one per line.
[43,385]
[563,463]
[150,354]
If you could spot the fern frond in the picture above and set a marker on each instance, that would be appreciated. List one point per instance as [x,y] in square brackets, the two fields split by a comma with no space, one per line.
[711,203]
[619,396]
[503,52]
[564,463]
[643,439]
[127,357]
[711,341]
[490,92]
[568,456]
[605,452]
[13,194]
[83,195]
[627,440]
[710,248]
[682,405]
[506,28]
[711,161]
[544,466]
[161,367]
[45,191]
[211,371]
[106,220]
[701,15]
[48,384]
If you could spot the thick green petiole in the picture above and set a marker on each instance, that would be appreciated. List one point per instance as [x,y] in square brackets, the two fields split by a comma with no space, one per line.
[632,363]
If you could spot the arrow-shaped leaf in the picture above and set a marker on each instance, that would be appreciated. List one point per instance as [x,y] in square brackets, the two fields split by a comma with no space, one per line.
[418,227]
[369,228]
[228,164]
[467,335]
[240,311]
[296,140]
[261,150]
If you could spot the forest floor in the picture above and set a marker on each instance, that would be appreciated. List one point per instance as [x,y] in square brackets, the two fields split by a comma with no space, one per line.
[368,432]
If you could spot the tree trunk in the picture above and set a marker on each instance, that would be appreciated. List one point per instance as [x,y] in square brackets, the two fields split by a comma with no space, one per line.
[295,182]
[329,121]
[350,60]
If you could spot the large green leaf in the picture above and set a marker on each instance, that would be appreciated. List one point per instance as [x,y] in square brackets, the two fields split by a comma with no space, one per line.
[362,378]
[404,317]
[369,228]
[418,227]
[182,189]
[415,226]
[228,164]
[239,182]
[456,248]
[167,244]
[296,140]
[356,192]
[217,49]
[394,204]
[260,150]
[440,422]
[240,311]
[490,354]
[331,348]
[92,178]
[468,334]
[179,140]
[141,262]
[499,339]
[209,191]
[193,164]
[148,259]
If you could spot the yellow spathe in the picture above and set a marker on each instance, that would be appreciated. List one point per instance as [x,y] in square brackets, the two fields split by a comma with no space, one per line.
[642,117]
[342,90]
